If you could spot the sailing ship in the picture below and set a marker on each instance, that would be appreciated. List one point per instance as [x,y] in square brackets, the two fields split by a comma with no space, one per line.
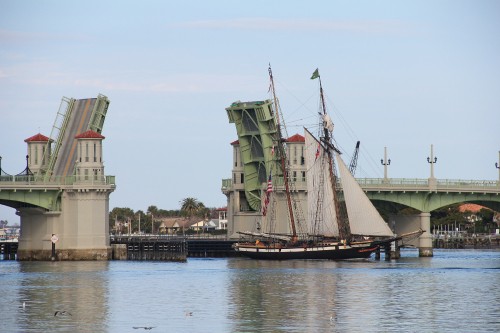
[341,222]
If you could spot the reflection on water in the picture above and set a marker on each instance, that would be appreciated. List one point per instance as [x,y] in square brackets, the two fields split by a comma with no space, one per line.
[286,296]
[47,287]
[453,291]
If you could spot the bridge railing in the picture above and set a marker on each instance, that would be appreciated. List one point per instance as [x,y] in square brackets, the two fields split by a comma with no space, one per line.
[56,180]
[440,184]
[413,183]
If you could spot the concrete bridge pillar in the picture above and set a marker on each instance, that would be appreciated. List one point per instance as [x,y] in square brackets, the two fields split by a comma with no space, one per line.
[82,227]
[403,224]
[37,226]
[425,240]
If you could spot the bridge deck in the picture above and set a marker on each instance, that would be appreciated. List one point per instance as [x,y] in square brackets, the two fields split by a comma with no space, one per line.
[78,122]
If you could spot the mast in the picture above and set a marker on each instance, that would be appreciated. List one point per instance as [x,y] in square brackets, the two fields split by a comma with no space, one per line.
[282,152]
[343,223]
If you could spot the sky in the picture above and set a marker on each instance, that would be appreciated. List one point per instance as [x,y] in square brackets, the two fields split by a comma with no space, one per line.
[398,74]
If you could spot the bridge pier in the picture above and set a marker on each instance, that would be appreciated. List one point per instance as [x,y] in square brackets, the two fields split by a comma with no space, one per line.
[82,228]
[408,223]
[425,240]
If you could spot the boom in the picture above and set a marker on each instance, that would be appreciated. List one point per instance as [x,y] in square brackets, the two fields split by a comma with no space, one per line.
[354,160]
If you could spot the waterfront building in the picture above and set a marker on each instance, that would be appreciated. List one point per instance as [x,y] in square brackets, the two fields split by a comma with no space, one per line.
[222,220]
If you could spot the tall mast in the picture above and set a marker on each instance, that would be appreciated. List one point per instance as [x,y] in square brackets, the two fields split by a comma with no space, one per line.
[282,152]
[344,229]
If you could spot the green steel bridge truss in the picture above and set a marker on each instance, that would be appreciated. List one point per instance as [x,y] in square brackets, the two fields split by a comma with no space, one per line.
[257,131]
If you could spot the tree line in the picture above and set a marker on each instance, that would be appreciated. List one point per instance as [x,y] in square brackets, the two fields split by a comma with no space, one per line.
[189,208]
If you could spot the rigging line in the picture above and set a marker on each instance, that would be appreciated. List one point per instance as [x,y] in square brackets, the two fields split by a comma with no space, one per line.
[342,119]
[302,104]
[373,165]
[365,153]
[302,119]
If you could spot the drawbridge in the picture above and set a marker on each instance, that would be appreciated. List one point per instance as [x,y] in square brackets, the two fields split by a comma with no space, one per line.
[257,131]
[43,189]
[56,198]
[74,117]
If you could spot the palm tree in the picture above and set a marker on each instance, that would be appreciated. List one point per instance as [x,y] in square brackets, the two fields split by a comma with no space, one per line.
[190,207]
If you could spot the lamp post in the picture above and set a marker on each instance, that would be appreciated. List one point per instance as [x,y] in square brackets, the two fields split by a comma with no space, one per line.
[152,221]
[385,162]
[496,165]
[432,160]
[139,223]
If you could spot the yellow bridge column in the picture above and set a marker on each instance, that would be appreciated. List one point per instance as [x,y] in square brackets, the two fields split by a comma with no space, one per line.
[425,240]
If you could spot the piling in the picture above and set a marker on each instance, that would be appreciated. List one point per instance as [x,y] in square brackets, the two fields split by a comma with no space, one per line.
[387,251]
[119,251]
[8,250]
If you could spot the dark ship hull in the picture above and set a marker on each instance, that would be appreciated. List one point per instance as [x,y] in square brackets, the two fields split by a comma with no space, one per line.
[327,251]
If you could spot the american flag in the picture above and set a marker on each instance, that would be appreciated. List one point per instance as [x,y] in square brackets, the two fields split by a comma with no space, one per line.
[268,192]
[269,185]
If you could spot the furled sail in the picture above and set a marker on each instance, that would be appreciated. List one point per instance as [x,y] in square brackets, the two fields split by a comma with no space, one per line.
[364,219]
[322,219]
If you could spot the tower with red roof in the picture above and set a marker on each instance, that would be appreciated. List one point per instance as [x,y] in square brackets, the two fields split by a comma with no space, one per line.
[39,150]
[89,165]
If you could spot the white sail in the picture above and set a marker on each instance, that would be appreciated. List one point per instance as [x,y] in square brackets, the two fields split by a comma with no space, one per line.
[364,219]
[322,219]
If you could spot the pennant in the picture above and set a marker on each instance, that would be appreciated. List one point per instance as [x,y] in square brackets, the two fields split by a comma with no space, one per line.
[315,74]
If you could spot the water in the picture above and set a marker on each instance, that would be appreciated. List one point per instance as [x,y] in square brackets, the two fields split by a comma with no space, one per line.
[455,291]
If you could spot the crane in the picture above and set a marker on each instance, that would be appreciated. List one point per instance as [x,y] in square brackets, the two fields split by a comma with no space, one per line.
[354,160]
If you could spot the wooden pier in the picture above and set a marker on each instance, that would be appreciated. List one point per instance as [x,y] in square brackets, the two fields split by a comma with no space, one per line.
[170,248]
[8,250]
[466,241]
[149,248]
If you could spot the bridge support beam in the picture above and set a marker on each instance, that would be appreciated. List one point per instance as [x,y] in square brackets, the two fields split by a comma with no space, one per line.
[425,240]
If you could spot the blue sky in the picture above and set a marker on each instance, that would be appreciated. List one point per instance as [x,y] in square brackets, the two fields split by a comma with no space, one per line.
[397,74]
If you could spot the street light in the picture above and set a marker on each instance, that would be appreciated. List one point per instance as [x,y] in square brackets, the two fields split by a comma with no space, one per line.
[385,162]
[152,221]
[498,167]
[432,160]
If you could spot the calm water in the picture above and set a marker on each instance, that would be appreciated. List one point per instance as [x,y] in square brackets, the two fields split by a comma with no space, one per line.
[455,291]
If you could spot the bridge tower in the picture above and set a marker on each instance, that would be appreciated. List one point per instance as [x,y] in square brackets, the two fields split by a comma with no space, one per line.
[37,144]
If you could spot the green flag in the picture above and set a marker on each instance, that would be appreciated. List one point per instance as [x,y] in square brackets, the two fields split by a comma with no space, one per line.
[315,74]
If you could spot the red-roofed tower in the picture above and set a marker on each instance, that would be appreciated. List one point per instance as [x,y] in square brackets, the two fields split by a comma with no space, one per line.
[39,150]
[89,165]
